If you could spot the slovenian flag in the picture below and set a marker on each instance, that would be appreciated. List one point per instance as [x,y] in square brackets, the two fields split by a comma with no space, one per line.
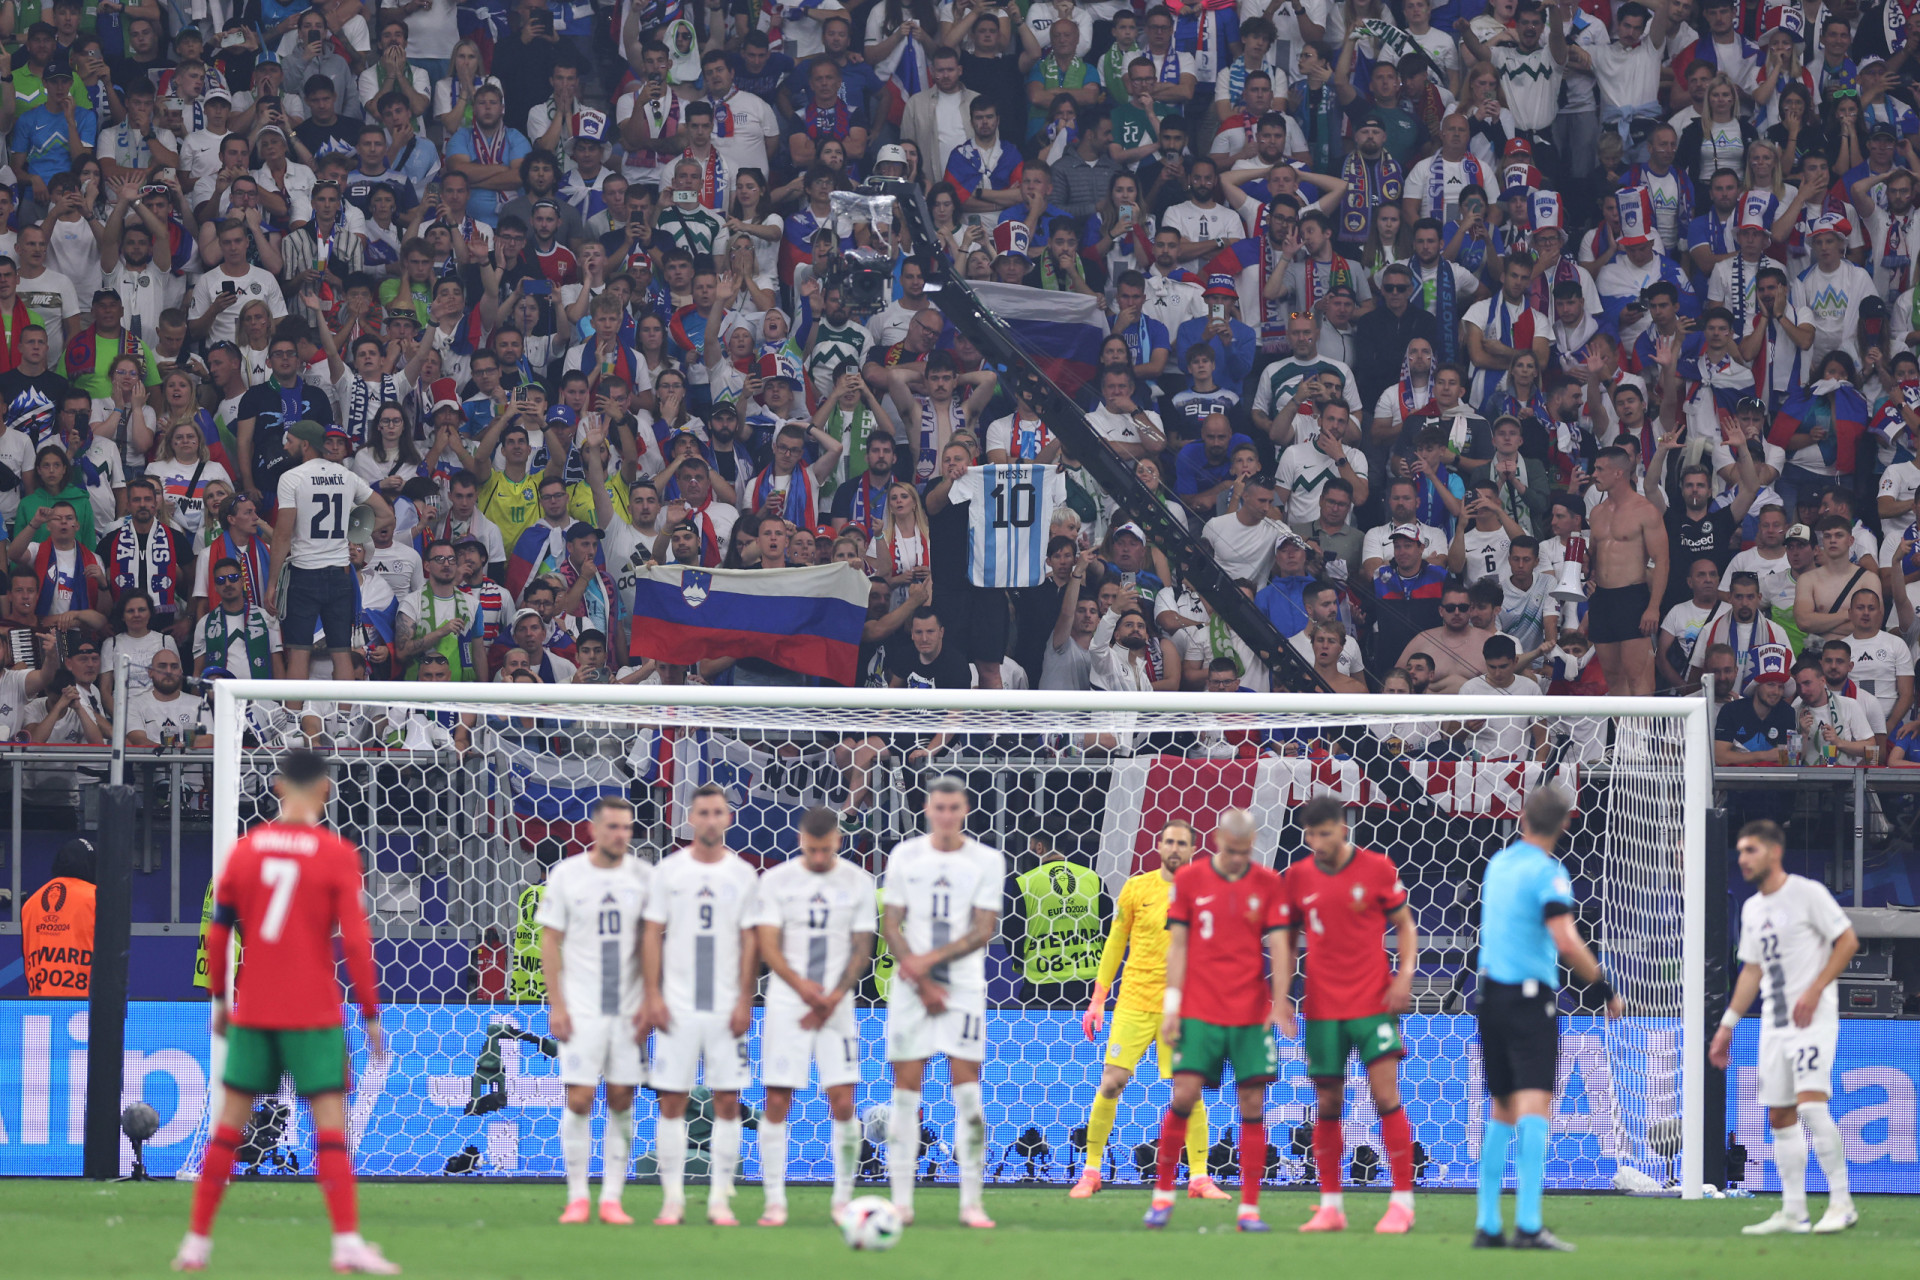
[807,620]
[1060,332]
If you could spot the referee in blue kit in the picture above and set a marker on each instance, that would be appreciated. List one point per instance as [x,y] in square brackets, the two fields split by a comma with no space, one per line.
[1526,931]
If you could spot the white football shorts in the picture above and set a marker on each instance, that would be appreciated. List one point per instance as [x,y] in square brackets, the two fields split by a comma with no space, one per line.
[958,1031]
[1796,1060]
[602,1048]
[786,1047]
[692,1039]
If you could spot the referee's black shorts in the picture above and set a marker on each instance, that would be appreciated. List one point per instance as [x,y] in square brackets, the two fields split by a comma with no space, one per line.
[1519,1036]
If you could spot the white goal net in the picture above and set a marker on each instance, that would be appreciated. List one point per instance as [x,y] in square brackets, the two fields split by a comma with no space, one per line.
[461,797]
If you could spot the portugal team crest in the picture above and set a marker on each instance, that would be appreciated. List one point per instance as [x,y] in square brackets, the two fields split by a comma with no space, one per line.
[694,585]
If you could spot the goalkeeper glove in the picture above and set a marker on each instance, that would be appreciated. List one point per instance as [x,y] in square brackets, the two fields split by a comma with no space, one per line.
[1096,1015]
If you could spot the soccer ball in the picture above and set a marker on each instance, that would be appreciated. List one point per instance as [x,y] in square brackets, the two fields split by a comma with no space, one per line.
[870,1224]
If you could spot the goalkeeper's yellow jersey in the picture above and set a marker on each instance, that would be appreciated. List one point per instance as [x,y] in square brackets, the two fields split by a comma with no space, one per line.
[1139,935]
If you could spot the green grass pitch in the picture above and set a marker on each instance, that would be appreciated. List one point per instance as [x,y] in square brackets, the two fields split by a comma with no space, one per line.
[476,1231]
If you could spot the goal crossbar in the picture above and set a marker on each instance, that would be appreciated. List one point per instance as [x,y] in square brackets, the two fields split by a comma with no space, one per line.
[666,700]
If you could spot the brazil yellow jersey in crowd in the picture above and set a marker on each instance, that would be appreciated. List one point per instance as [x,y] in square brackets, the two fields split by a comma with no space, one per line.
[512,505]
[1139,935]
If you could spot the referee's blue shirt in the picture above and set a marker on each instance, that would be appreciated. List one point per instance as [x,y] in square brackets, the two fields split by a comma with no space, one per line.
[1522,882]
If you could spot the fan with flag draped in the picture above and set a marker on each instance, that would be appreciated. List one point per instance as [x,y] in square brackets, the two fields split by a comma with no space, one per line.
[1839,445]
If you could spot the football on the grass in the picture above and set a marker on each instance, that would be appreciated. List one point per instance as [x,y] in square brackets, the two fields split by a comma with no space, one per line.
[871,1223]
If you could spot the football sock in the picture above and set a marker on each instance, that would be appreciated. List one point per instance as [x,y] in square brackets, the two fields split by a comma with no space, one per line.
[1396,1135]
[903,1144]
[1173,1135]
[1253,1160]
[1790,1157]
[773,1162]
[846,1158]
[1100,1128]
[1328,1146]
[576,1151]
[618,1150]
[1829,1149]
[726,1159]
[215,1170]
[334,1171]
[970,1142]
[1529,1171]
[1493,1171]
[1197,1133]
[670,1152]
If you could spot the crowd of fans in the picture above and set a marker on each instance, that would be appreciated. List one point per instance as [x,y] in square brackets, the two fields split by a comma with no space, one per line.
[1491,347]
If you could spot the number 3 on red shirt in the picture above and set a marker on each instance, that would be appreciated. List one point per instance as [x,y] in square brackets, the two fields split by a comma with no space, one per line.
[1206,924]
[282,875]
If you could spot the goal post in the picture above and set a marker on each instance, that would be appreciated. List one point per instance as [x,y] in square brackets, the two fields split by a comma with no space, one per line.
[462,794]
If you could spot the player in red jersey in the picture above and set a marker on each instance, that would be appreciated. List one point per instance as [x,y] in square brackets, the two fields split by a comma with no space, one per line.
[1220,913]
[1344,898]
[287,886]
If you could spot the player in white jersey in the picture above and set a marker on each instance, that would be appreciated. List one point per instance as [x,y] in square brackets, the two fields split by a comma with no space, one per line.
[590,957]
[316,502]
[815,920]
[942,896]
[700,964]
[1794,941]
[1009,520]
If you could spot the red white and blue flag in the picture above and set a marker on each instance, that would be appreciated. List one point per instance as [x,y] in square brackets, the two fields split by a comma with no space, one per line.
[806,620]
[1060,332]
[1848,416]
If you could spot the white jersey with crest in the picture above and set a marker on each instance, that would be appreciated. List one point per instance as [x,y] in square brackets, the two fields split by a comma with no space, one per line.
[599,909]
[1789,934]
[704,905]
[818,914]
[940,891]
[1009,521]
[322,496]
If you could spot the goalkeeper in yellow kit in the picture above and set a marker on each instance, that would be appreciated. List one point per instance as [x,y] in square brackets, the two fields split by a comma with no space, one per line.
[1140,937]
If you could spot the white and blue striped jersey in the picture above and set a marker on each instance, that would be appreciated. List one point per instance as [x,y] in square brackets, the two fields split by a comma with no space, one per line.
[1008,521]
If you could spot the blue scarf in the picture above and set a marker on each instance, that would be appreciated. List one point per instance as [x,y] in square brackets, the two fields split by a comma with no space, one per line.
[1445,309]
